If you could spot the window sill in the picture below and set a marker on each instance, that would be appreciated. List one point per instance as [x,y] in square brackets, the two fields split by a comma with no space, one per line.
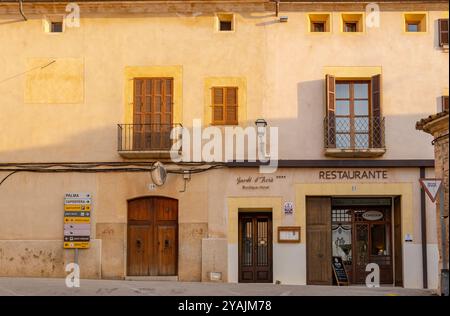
[143,154]
[354,153]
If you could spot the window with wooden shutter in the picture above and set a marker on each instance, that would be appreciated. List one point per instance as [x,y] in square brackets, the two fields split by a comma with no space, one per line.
[330,111]
[443,32]
[445,103]
[377,132]
[353,114]
[225,105]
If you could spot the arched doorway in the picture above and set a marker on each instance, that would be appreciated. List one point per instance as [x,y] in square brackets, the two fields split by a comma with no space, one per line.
[152,236]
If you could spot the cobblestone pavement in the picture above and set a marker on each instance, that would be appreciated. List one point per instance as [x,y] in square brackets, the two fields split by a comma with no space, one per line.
[44,286]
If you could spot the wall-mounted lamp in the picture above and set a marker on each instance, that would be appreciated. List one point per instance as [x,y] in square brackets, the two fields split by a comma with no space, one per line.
[260,123]
[261,126]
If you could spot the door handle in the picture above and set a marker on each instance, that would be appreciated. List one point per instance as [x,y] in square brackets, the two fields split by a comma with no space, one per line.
[138,243]
[166,243]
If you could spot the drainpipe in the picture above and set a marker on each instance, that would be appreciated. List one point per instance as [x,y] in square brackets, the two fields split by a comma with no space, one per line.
[21,10]
[423,221]
[277,6]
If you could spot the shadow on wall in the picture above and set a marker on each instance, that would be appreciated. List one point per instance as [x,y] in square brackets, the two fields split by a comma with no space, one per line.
[298,138]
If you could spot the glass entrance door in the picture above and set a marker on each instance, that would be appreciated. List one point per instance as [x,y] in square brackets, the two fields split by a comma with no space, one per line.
[362,235]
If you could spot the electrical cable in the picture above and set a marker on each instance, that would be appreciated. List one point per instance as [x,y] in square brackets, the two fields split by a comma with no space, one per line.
[94,168]
[4,179]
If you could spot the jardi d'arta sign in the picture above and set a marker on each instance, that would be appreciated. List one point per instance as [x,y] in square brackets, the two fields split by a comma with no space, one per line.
[353,174]
[257,182]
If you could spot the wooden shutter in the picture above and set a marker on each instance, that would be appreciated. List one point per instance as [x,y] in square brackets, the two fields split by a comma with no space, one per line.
[330,128]
[443,32]
[318,240]
[398,251]
[376,122]
[231,106]
[445,103]
[225,105]
[218,101]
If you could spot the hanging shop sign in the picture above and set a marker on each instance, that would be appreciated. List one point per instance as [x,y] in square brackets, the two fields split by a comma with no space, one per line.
[289,234]
[77,220]
[372,215]
[353,174]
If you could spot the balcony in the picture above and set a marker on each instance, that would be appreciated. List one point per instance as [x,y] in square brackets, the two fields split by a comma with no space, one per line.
[146,140]
[354,136]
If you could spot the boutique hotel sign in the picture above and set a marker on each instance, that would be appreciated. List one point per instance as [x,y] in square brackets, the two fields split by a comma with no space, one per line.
[353,174]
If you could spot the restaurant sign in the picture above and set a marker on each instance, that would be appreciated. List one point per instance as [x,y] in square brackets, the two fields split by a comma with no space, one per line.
[353,174]
[372,215]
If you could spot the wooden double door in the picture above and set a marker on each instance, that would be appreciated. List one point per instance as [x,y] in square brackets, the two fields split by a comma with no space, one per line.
[255,247]
[152,237]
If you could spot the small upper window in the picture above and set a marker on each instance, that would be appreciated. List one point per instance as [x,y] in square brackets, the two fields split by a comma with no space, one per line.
[352,22]
[350,27]
[56,27]
[444,103]
[415,22]
[319,23]
[318,27]
[226,26]
[225,22]
[443,32]
[54,24]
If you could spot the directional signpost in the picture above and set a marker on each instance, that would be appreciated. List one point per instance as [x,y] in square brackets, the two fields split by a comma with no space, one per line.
[432,187]
[77,220]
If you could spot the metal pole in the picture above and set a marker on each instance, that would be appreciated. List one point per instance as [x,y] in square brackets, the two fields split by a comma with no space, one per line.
[423,220]
[75,260]
[444,269]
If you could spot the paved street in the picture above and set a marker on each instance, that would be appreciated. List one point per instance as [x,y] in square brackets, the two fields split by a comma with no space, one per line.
[36,286]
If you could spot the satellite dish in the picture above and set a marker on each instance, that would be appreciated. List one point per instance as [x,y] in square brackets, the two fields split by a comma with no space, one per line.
[159,173]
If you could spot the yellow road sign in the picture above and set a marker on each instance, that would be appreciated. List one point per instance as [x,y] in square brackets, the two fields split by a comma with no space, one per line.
[77,207]
[80,220]
[74,244]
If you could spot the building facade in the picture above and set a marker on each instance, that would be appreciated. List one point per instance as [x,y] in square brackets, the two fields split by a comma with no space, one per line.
[90,108]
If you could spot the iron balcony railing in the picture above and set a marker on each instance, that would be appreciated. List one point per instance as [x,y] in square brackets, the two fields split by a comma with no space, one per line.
[354,132]
[146,137]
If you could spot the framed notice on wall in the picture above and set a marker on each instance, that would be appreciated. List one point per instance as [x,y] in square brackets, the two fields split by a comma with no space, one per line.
[289,234]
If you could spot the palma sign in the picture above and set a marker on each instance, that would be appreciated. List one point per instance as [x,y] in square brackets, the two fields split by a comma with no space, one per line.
[77,220]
